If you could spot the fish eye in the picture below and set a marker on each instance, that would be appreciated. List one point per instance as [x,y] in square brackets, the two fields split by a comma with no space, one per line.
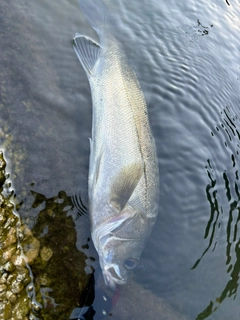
[130,263]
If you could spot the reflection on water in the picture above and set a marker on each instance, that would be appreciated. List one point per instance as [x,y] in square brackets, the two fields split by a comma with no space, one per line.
[224,214]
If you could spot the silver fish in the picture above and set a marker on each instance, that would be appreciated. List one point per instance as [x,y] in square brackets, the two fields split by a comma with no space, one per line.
[123,170]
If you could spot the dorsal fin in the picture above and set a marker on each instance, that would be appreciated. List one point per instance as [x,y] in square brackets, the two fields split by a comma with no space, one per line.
[87,51]
[124,185]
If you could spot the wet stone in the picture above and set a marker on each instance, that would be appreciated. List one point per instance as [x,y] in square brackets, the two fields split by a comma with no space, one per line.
[2,218]
[11,296]
[7,254]
[3,287]
[31,249]
[2,161]
[15,278]
[11,278]
[21,308]
[18,260]
[9,267]
[10,222]
[17,286]
[11,237]
[2,179]
[46,253]
[22,273]
[5,310]
[3,278]
[2,296]
[30,288]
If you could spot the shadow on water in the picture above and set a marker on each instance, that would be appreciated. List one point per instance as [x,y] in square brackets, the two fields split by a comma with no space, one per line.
[224,214]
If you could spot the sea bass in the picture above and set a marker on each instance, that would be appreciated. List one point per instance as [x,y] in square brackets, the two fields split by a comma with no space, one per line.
[123,170]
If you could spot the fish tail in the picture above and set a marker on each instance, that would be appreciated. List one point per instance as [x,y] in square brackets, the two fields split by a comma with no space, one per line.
[96,13]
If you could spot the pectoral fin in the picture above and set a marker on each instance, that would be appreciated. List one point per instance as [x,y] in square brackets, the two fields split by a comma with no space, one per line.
[97,168]
[94,168]
[124,185]
[87,52]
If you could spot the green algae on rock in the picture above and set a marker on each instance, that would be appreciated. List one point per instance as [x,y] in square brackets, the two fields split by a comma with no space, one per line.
[16,302]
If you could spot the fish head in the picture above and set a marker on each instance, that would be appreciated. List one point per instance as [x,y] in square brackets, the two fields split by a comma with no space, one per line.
[125,225]
[119,243]
[118,261]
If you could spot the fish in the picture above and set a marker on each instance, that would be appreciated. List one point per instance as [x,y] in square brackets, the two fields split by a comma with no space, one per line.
[123,180]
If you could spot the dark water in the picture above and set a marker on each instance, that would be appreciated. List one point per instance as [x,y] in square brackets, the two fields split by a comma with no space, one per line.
[188,53]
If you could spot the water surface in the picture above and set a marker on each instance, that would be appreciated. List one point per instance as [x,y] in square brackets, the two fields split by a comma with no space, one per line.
[186,55]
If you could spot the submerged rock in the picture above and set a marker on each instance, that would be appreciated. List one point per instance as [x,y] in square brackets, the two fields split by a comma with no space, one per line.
[135,302]
[58,271]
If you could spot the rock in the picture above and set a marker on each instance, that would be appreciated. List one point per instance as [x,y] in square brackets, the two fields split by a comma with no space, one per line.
[136,303]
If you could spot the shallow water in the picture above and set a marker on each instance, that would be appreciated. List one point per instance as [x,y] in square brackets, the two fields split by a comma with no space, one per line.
[188,53]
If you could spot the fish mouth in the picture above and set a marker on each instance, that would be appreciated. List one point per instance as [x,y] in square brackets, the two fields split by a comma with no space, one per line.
[112,279]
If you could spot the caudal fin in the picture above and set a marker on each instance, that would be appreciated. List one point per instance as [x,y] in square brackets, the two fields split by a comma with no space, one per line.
[96,13]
